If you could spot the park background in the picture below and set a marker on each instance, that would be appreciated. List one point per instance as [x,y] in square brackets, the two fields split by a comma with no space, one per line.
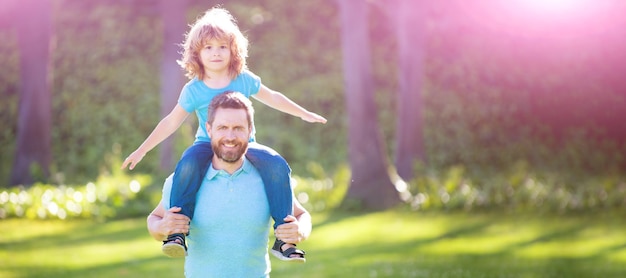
[481,139]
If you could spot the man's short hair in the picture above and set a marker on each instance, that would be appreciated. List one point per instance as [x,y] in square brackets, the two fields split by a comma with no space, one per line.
[232,100]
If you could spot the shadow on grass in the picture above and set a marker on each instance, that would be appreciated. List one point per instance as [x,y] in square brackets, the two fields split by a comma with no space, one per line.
[158,266]
[124,230]
[125,251]
[610,250]
[378,255]
[405,260]
[414,258]
[567,232]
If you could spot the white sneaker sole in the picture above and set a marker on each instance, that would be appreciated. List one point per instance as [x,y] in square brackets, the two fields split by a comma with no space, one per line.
[174,250]
[280,256]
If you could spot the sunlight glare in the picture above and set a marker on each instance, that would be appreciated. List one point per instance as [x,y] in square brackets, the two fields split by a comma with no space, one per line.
[135,186]
[553,6]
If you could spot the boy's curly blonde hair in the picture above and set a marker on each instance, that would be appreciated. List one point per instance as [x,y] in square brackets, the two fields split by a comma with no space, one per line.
[216,23]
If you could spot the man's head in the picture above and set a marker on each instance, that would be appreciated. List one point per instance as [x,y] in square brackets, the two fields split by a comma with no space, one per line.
[229,125]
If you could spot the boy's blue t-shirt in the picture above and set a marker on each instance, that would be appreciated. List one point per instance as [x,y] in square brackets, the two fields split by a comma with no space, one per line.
[196,96]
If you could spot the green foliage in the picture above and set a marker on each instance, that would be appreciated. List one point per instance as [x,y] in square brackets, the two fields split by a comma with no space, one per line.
[8,93]
[105,198]
[118,194]
[578,176]
[114,194]
[320,192]
[485,100]
[295,49]
[105,91]
[105,70]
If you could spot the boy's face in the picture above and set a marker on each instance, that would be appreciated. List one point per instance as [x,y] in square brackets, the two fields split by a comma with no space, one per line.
[215,56]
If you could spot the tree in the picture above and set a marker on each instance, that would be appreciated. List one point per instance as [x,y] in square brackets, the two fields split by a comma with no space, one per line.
[174,26]
[371,185]
[33,148]
[408,19]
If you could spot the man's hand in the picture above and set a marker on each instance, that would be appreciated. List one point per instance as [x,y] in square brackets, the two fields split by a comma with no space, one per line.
[173,223]
[290,231]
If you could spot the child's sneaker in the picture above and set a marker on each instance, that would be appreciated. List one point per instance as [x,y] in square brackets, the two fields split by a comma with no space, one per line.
[175,246]
[286,255]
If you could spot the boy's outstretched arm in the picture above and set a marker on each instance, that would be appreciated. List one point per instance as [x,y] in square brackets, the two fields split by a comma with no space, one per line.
[282,103]
[165,128]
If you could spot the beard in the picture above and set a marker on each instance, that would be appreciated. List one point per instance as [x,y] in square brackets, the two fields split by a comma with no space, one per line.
[230,155]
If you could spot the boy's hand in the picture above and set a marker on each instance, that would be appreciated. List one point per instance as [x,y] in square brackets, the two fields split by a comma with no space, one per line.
[313,118]
[133,159]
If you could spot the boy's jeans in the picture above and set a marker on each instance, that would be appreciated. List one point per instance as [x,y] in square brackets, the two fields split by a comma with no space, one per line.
[274,171]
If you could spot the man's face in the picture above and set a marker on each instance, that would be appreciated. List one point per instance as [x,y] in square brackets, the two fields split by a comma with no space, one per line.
[229,134]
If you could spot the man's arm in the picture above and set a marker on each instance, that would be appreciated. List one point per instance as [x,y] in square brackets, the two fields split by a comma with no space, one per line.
[297,227]
[162,223]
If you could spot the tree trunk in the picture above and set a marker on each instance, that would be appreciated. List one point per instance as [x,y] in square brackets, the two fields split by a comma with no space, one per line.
[408,16]
[173,15]
[371,186]
[33,148]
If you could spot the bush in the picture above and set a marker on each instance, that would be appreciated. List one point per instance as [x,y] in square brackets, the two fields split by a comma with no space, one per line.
[108,197]
[321,192]
[517,188]
[114,194]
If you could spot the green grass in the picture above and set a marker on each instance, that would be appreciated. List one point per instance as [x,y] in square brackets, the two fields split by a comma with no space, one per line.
[386,244]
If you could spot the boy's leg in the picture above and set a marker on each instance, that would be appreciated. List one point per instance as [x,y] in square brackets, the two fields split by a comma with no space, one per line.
[276,176]
[188,176]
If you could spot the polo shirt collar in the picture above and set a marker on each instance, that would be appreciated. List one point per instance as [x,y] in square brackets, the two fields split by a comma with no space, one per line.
[247,167]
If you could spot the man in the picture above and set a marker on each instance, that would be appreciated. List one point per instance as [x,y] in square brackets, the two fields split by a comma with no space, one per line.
[230,226]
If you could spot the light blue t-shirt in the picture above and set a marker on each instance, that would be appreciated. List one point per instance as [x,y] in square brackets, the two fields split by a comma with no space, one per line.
[196,96]
[230,227]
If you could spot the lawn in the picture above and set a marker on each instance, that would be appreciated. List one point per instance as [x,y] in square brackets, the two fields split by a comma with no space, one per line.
[385,244]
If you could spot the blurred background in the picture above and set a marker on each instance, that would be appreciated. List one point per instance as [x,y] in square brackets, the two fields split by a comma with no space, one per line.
[433,106]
